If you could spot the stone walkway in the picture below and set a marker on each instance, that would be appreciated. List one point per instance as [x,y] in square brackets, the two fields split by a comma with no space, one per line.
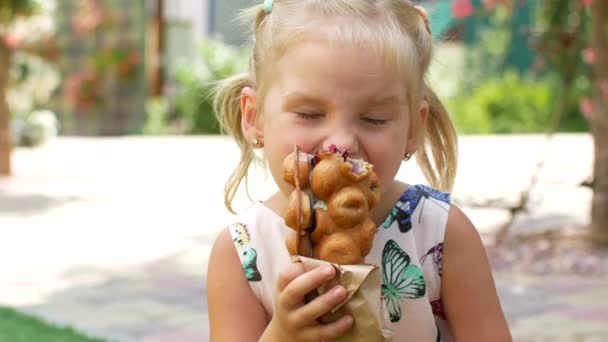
[112,235]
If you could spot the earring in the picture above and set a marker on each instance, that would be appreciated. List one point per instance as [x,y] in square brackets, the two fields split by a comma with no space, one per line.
[407,156]
[257,143]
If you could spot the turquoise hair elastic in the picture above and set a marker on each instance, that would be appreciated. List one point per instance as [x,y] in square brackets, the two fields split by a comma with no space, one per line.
[268,6]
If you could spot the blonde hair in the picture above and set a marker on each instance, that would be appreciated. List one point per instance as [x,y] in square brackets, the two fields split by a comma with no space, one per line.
[394,29]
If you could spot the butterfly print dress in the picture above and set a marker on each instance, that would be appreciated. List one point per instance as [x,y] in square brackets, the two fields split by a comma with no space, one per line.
[408,247]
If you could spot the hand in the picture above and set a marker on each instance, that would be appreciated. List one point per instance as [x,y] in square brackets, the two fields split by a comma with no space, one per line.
[295,320]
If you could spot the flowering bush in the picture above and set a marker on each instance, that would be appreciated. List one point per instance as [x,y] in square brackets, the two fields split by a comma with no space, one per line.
[32,83]
[32,22]
[115,59]
[26,27]
[559,35]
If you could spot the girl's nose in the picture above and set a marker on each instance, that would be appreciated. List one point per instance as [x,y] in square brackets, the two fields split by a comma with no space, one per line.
[343,139]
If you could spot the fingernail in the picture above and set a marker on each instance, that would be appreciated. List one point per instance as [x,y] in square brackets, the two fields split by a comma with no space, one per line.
[348,320]
[328,270]
[338,291]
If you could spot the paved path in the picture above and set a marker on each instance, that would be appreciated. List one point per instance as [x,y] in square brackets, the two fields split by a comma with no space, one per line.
[112,235]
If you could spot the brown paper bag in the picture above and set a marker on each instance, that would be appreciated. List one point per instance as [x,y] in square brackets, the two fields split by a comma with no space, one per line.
[363,302]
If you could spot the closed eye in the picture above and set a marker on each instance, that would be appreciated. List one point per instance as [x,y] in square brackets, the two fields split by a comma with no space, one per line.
[309,115]
[375,121]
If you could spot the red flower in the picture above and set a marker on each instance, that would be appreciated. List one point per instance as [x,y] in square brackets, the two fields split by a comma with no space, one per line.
[126,66]
[586,3]
[12,41]
[82,90]
[586,107]
[589,55]
[462,9]
[88,18]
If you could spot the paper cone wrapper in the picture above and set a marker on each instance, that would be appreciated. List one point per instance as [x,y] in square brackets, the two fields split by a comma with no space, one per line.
[363,302]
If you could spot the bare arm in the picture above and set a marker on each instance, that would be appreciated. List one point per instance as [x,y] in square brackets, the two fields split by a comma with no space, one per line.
[235,314]
[469,295]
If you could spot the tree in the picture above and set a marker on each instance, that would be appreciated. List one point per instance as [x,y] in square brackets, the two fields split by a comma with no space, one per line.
[23,25]
[599,121]
[5,119]
[560,39]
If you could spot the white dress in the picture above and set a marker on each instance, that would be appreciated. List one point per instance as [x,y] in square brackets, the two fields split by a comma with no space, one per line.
[408,246]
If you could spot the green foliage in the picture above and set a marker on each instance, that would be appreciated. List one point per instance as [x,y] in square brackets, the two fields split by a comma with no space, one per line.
[487,56]
[195,81]
[157,117]
[504,104]
[11,9]
[495,99]
[32,82]
[17,327]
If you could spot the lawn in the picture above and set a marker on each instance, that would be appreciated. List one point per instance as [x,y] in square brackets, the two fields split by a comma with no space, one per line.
[19,327]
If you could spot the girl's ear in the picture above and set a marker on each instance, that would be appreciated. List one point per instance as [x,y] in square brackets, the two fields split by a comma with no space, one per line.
[251,124]
[417,128]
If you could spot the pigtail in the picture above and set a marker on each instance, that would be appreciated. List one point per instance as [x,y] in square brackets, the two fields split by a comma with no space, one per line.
[439,137]
[227,108]
[440,140]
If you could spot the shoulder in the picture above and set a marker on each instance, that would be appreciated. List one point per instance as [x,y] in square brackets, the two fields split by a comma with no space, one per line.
[462,243]
[227,285]
[468,291]
[460,231]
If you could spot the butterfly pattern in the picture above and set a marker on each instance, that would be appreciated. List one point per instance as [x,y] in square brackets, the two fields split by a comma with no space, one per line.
[437,306]
[240,234]
[409,279]
[249,256]
[400,279]
[436,255]
[404,208]
[250,267]
[402,216]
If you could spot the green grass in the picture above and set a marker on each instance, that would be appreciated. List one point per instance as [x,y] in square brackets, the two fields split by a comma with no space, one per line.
[19,327]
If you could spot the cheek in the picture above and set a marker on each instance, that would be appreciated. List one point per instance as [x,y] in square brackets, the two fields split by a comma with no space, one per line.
[387,168]
[387,155]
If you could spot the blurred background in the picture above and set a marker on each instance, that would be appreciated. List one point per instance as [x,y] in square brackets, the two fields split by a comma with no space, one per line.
[112,163]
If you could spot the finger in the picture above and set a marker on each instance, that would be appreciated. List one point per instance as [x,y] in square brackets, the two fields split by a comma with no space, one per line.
[294,292]
[323,332]
[320,305]
[288,274]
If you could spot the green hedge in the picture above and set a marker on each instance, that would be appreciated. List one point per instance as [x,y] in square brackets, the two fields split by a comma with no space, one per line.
[195,80]
[510,103]
[18,327]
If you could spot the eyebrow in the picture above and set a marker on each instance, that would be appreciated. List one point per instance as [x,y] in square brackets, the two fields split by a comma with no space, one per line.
[387,100]
[297,98]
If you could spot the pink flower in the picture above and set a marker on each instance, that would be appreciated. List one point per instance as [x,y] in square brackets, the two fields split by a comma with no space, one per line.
[586,3]
[81,90]
[462,8]
[586,107]
[491,4]
[12,41]
[589,55]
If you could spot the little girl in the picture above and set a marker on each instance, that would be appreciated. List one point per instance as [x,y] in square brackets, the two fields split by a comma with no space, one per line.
[349,73]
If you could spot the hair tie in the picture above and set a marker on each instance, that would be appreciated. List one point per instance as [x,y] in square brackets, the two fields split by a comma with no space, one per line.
[268,4]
